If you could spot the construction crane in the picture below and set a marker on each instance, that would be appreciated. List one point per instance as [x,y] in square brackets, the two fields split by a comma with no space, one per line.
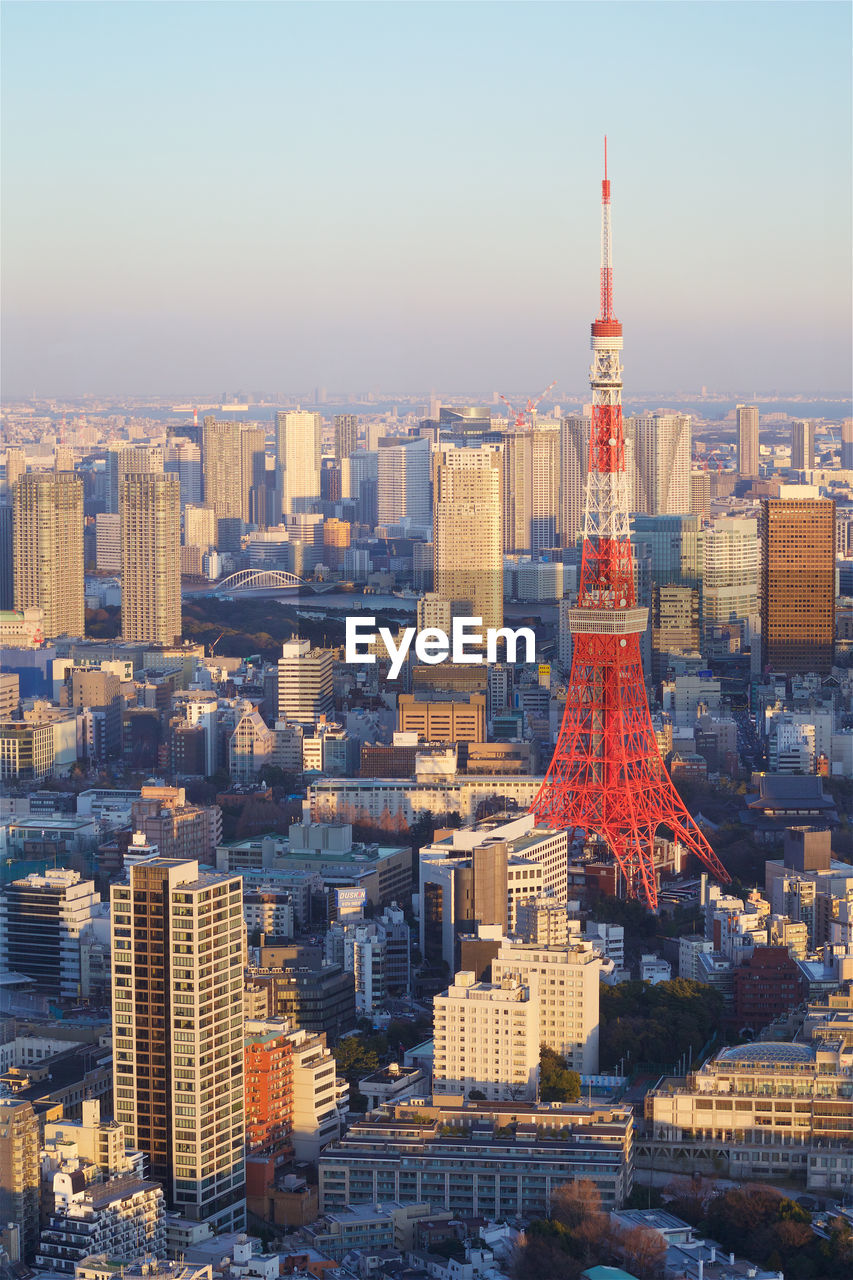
[215,643]
[524,417]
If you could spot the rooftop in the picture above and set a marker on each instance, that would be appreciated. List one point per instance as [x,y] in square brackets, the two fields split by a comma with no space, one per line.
[772,1053]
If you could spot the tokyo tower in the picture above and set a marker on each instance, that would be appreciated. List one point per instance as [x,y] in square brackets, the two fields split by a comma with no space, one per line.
[607,776]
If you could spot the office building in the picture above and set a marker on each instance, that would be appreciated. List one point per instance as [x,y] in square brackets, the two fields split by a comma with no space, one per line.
[468,530]
[41,919]
[531,489]
[798,585]
[489,1159]
[150,511]
[662,450]
[747,441]
[443,721]
[129,460]
[802,445]
[234,463]
[305,687]
[20,1170]
[177,951]
[108,542]
[403,482]
[319,1001]
[346,435]
[298,460]
[565,982]
[486,1040]
[676,631]
[48,550]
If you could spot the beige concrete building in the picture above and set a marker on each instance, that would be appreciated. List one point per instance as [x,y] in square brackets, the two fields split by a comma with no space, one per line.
[565,981]
[150,511]
[298,460]
[486,1039]
[773,1107]
[48,550]
[747,440]
[234,462]
[20,1175]
[468,530]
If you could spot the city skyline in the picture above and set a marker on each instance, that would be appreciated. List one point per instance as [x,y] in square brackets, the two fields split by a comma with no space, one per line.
[434,238]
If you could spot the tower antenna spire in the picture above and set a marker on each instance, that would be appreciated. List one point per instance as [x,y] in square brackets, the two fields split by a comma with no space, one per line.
[607,777]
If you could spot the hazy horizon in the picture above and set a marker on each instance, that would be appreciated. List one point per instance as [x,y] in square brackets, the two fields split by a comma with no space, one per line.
[361,195]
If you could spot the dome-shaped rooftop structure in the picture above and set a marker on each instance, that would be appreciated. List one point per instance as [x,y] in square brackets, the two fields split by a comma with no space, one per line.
[771,1053]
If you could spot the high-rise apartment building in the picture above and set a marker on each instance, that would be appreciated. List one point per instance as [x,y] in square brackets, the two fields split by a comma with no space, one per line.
[662,449]
[48,550]
[802,445]
[183,459]
[298,460]
[486,1040]
[200,528]
[574,465]
[7,557]
[468,530]
[129,460]
[747,440]
[346,435]
[108,542]
[531,489]
[150,511]
[847,444]
[177,985]
[798,584]
[41,919]
[403,481]
[359,482]
[20,1170]
[730,577]
[234,464]
[16,466]
[305,685]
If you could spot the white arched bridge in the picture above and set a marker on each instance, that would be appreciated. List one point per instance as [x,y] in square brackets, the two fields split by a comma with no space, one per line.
[258,580]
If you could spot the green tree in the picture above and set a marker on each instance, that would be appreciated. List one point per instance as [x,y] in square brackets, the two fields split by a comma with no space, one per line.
[557,1082]
[355,1057]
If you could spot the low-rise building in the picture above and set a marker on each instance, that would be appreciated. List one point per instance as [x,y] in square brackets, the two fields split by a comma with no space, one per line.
[123,1217]
[766,1108]
[495,1160]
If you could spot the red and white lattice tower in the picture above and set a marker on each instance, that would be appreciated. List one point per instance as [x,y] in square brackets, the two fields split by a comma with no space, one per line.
[607,776]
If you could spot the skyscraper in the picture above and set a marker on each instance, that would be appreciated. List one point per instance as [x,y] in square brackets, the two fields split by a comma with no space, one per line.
[574,464]
[129,460]
[531,489]
[150,512]
[297,460]
[346,435]
[177,984]
[234,463]
[747,440]
[662,449]
[468,530]
[802,445]
[305,684]
[48,550]
[403,481]
[847,444]
[183,457]
[731,573]
[798,584]
[16,466]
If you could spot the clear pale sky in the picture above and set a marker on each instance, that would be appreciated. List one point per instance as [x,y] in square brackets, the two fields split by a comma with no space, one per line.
[201,196]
